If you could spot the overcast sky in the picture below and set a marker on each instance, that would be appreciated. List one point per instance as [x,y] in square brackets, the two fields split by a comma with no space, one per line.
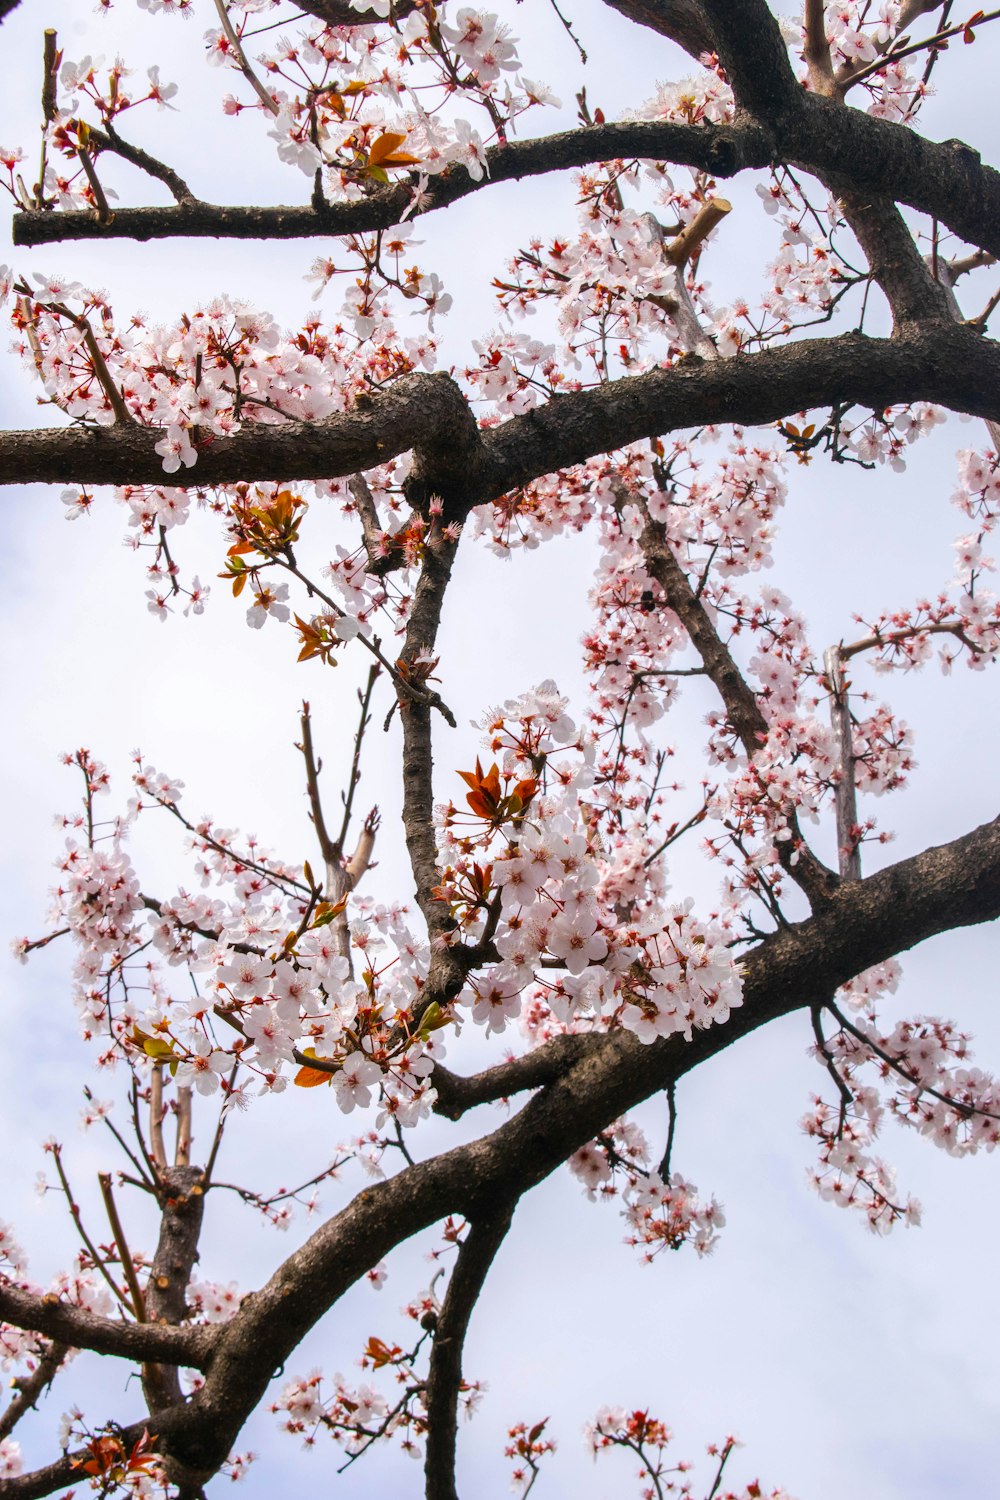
[847,1364]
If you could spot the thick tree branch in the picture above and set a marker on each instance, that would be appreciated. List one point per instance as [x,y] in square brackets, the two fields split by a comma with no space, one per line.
[682,21]
[719,149]
[945,180]
[67,1324]
[753,52]
[944,364]
[893,258]
[863,923]
[444,1378]
[947,364]
[182,1210]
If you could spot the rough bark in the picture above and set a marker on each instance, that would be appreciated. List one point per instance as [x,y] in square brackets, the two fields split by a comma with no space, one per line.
[945,363]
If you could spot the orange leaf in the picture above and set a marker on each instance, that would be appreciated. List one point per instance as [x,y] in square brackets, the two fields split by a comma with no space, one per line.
[311,1078]
[379,1353]
[385,150]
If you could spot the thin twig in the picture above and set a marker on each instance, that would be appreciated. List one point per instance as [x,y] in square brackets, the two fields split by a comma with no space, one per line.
[115,398]
[843,1088]
[849,79]
[220,1129]
[664,1167]
[89,1246]
[242,60]
[328,849]
[124,1254]
[967,1111]
[355,776]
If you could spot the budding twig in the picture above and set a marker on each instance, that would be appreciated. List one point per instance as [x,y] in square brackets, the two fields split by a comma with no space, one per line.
[242,60]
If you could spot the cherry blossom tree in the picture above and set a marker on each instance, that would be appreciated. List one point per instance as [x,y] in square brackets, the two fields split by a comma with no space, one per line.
[544,914]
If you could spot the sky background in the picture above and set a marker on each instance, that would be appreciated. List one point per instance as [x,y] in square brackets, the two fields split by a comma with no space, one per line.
[846,1363]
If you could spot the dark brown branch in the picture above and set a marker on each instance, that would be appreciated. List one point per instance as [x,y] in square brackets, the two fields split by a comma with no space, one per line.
[110,140]
[30,1387]
[718,149]
[683,21]
[752,51]
[343,13]
[418,758]
[182,1210]
[67,1324]
[950,365]
[945,180]
[913,294]
[742,708]
[456,1094]
[444,1377]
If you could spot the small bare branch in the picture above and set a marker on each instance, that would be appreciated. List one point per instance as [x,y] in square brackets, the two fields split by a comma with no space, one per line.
[328,848]
[242,59]
[124,1254]
[110,140]
[104,213]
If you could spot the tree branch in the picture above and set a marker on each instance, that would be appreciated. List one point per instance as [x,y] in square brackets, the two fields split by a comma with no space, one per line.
[418,759]
[948,364]
[30,1387]
[683,21]
[798,967]
[110,140]
[945,180]
[718,149]
[444,1378]
[742,708]
[74,1326]
[752,51]
[456,1094]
